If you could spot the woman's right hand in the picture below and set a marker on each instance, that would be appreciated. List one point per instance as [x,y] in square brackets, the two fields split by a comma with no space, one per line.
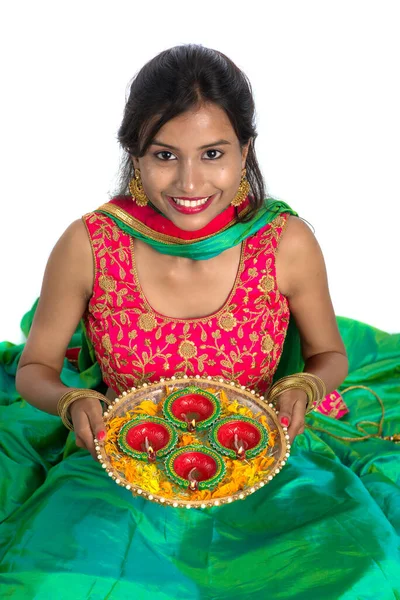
[87,418]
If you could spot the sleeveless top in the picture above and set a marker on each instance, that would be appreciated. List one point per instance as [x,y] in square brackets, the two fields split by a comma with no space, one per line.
[134,344]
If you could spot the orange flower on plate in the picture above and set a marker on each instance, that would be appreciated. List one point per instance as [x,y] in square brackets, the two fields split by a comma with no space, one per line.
[147,407]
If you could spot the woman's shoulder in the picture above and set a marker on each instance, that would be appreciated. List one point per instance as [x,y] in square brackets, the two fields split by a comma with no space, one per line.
[297,236]
[75,240]
[72,255]
[298,254]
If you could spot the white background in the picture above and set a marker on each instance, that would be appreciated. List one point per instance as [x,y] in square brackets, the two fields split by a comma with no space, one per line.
[326,82]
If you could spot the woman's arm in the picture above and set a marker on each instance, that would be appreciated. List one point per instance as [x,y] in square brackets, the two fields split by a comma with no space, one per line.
[66,288]
[301,276]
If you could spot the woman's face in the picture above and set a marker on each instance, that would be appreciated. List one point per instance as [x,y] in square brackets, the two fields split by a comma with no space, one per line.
[192,170]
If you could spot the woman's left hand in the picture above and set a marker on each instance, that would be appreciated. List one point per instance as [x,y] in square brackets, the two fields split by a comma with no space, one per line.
[292,409]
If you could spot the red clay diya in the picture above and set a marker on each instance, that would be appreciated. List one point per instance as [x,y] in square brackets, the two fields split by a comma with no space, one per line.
[147,438]
[195,467]
[191,408]
[239,437]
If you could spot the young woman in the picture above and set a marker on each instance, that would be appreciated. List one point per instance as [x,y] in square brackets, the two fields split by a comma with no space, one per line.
[189,269]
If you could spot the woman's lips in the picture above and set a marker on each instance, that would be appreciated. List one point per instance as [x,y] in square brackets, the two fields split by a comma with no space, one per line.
[190,210]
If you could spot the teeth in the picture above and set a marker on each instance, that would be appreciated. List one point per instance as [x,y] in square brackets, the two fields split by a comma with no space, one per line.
[191,203]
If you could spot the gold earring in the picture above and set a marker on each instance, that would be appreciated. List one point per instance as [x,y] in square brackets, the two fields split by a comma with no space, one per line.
[136,189]
[243,191]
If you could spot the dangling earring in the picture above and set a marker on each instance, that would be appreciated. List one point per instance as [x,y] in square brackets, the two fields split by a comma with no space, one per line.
[136,189]
[243,191]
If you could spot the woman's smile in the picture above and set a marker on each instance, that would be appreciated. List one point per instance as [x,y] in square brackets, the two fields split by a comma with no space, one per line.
[190,206]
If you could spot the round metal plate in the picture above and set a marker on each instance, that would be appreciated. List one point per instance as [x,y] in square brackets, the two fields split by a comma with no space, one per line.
[278,450]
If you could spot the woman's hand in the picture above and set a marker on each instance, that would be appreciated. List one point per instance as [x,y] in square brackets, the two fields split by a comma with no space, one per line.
[292,409]
[87,418]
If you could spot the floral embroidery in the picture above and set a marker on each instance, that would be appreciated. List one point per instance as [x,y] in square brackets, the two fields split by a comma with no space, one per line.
[133,344]
[187,349]
[106,343]
[147,322]
[227,322]
[107,283]
[266,284]
[267,343]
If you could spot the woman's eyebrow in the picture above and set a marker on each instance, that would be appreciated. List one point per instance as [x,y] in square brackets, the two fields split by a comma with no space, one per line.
[218,143]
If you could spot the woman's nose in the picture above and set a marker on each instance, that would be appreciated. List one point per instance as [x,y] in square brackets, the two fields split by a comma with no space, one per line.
[189,178]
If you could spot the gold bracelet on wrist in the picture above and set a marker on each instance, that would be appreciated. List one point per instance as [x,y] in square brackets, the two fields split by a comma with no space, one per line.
[321,391]
[69,397]
[311,384]
[294,382]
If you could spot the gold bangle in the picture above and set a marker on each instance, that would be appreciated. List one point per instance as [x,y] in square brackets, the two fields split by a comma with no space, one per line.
[318,381]
[69,397]
[321,391]
[294,383]
[311,384]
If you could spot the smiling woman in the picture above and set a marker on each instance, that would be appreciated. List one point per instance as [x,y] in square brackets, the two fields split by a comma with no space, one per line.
[191,268]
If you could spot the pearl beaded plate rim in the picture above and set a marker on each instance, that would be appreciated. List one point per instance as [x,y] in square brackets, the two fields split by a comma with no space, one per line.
[157,392]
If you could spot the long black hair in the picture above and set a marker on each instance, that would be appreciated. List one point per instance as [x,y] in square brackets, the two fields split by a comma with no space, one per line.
[175,81]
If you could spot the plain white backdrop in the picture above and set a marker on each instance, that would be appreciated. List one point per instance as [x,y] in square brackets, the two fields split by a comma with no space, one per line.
[325,77]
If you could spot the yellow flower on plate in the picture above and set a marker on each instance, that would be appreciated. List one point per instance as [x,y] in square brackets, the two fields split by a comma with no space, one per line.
[147,407]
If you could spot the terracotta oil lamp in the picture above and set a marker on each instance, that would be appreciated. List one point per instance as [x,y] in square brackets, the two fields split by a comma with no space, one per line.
[192,408]
[195,467]
[239,437]
[147,438]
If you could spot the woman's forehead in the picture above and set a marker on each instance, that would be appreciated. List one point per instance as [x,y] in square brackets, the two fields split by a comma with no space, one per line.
[198,127]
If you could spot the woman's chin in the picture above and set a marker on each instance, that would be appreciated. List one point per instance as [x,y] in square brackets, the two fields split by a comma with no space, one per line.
[192,223]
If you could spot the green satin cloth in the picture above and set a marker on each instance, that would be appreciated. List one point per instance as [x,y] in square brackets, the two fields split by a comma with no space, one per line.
[326,528]
[218,242]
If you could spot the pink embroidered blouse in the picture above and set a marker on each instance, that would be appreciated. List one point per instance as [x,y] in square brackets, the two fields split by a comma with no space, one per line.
[134,344]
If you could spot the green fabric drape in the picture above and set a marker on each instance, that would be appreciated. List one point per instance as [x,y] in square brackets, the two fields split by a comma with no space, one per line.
[326,528]
[217,243]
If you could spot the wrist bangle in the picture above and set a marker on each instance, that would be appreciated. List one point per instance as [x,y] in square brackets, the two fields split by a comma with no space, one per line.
[69,397]
[321,390]
[311,384]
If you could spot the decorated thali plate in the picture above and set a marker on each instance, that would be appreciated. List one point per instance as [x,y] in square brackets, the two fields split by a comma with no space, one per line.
[192,442]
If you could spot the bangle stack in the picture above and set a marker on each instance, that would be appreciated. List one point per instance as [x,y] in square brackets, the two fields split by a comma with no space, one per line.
[311,384]
[68,398]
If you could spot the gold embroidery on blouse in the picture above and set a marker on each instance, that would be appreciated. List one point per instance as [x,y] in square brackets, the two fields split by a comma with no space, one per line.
[147,322]
[267,344]
[227,321]
[187,349]
[267,284]
[107,283]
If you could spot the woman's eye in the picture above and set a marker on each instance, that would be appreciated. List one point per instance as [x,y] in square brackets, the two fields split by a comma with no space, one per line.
[164,155]
[211,154]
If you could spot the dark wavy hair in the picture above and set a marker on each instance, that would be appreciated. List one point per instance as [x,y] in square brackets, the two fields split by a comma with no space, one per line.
[175,81]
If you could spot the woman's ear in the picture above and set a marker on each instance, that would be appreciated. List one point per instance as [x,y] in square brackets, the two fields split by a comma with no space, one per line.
[245,151]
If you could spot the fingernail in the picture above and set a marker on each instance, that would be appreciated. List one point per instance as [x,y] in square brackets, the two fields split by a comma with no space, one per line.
[284,421]
[101,435]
